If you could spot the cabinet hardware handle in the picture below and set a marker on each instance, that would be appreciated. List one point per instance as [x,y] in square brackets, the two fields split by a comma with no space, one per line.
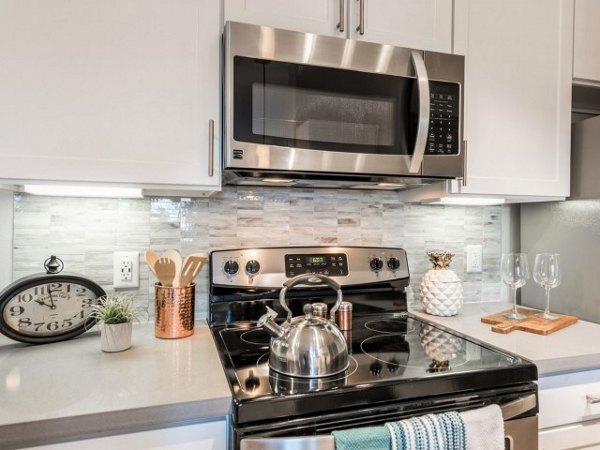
[424,107]
[342,23]
[361,20]
[593,398]
[211,147]
[464,180]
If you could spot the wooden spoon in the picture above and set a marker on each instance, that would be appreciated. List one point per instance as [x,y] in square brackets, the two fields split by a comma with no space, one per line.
[165,271]
[191,268]
[174,256]
[151,258]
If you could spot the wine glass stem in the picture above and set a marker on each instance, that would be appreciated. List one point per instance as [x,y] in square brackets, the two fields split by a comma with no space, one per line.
[514,295]
[547,311]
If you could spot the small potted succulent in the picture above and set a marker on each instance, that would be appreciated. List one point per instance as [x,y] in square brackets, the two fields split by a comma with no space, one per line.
[115,314]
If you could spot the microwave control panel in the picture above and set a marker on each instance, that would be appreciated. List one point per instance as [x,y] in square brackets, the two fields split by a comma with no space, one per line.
[444,135]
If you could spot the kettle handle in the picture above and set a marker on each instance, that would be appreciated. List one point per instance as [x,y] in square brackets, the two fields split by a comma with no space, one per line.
[311,279]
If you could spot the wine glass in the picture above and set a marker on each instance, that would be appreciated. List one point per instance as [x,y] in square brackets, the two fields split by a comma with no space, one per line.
[546,273]
[515,273]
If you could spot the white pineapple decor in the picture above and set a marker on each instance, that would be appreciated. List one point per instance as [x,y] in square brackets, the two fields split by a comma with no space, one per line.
[441,290]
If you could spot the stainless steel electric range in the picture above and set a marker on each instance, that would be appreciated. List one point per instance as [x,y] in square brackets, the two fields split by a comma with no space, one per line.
[400,366]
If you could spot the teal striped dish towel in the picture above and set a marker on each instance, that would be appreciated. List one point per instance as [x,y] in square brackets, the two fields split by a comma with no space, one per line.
[367,438]
[445,431]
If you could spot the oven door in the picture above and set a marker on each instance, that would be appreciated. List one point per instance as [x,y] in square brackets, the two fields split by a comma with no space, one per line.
[520,432]
[302,103]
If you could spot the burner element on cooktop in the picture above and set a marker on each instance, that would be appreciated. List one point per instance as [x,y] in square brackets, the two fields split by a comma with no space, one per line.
[395,326]
[257,336]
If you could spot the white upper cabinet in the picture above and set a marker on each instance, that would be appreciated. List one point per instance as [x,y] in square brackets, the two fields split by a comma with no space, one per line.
[518,98]
[586,58]
[310,16]
[425,24]
[119,91]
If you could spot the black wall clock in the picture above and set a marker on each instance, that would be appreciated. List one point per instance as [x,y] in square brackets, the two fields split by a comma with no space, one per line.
[48,307]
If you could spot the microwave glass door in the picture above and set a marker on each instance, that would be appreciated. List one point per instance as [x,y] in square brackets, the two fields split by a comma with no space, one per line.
[318,108]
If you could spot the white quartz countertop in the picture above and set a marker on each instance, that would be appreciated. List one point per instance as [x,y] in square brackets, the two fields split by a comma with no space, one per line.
[571,349]
[72,390]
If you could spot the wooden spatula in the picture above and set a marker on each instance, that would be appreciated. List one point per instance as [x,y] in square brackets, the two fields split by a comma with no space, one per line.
[192,265]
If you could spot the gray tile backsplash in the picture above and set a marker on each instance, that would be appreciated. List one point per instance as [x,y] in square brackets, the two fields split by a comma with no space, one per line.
[85,232]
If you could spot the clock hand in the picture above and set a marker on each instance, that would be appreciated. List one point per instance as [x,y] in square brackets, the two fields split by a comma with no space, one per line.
[41,302]
[52,305]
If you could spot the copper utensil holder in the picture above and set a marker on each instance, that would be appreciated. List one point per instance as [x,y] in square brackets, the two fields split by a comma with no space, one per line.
[174,311]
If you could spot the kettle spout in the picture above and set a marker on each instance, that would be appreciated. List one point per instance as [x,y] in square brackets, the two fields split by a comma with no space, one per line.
[268,323]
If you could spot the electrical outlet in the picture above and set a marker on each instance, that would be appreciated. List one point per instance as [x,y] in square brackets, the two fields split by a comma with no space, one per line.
[474,259]
[126,270]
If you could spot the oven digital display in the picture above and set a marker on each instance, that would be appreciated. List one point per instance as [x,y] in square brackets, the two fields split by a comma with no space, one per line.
[312,260]
[330,264]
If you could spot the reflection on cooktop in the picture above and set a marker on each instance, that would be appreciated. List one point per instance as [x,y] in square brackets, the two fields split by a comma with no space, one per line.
[390,326]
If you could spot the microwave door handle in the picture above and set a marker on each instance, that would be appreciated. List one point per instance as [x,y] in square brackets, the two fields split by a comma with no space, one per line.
[424,107]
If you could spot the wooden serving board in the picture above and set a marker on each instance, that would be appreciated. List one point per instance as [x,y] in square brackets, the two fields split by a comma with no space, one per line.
[532,324]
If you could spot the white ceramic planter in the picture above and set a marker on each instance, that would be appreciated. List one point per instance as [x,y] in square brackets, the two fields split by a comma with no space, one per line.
[115,337]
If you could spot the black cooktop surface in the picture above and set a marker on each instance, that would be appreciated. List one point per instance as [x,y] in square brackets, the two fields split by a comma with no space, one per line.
[392,356]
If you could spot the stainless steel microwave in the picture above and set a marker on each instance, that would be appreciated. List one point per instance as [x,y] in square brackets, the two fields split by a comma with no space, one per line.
[308,110]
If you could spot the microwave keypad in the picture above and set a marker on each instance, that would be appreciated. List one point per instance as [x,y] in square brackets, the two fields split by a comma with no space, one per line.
[444,136]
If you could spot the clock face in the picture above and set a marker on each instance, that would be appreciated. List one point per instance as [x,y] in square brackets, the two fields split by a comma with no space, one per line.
[48,309]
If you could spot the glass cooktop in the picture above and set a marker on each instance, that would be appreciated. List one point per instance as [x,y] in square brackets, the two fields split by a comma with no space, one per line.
[397,354]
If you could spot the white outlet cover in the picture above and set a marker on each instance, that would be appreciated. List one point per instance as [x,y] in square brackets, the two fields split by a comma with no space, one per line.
[126,270]
[474,258]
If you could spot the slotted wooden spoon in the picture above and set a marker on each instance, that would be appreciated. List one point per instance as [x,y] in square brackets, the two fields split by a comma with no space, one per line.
[165,271]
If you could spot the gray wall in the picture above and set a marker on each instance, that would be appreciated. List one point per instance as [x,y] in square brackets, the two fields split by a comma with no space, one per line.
[85,232]
[572,229]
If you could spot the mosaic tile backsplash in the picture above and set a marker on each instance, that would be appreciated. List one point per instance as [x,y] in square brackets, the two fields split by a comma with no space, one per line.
[85,232]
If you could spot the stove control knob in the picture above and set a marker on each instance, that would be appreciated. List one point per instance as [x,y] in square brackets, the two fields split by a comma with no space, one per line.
[393,263]
[376,264]
[231,267]
[252,267]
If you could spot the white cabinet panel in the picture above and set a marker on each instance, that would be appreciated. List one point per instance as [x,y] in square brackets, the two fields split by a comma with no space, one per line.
[569,416]
[426,24]
[309,16]
[586,57]
[115,91]
[204,436]
[518,97]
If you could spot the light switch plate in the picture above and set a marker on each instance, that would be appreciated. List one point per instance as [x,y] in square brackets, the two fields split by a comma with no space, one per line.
[474,258]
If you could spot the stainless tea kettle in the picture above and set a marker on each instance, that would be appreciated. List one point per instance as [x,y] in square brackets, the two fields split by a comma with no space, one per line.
[306,346]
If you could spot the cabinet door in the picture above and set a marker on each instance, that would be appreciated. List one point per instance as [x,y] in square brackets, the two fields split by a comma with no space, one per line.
[424,24]
[309,16]
[518,97]
[117,91]
[586,58]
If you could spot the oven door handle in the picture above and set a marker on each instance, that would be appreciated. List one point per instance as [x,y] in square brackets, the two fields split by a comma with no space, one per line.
[424,109]
[319,442]
[518,406]
[326,441]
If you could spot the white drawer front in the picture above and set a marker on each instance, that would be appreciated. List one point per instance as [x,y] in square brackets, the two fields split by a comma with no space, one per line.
[577,436]
[569,398]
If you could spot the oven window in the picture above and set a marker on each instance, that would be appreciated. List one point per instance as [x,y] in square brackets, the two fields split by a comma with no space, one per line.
[302,106]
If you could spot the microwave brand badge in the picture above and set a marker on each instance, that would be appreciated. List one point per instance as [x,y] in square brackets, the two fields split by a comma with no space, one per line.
[238,154]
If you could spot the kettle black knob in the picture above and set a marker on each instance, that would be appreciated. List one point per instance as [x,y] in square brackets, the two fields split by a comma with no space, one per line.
[376,264]
[252,266]
[393,263]
[231,267]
